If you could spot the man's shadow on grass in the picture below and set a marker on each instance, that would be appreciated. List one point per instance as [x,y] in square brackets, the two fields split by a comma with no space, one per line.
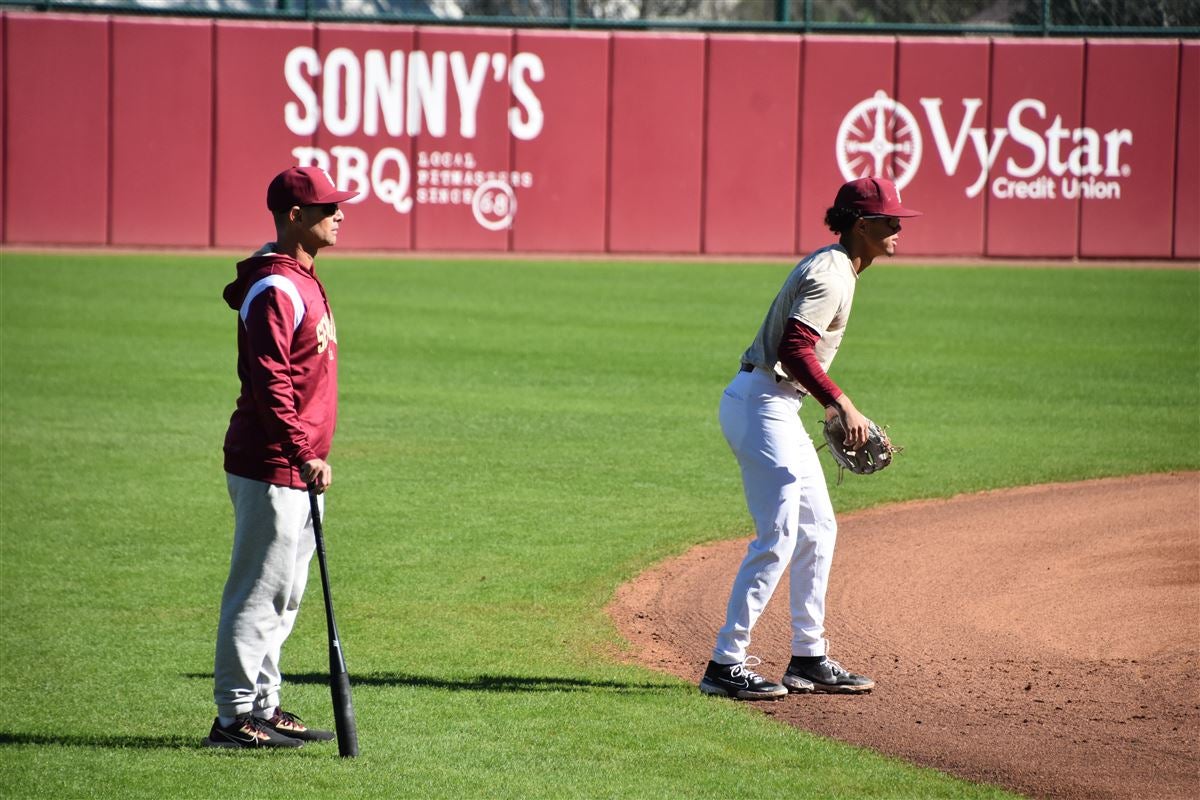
[478,683]
[172,742]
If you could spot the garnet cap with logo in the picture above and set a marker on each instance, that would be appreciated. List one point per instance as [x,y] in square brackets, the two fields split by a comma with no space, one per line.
[303,186]
[875,197]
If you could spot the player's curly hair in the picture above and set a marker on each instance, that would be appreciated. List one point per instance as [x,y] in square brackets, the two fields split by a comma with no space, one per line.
[840,220]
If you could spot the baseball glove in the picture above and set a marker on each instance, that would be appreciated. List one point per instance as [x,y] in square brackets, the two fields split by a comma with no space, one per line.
[873,456]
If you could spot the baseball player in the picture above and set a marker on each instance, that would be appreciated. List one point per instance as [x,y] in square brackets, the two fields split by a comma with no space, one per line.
[275,448]
[784,485]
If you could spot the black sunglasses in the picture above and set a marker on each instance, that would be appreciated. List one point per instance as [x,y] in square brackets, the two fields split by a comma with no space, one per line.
[327,209]
[890,221]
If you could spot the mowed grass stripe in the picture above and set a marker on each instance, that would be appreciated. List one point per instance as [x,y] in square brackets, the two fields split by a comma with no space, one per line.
[516,439]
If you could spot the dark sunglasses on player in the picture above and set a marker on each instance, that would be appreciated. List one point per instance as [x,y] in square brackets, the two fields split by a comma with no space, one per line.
[892,222]
[326,209]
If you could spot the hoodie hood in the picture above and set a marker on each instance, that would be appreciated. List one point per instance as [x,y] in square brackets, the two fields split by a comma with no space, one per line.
[251,270]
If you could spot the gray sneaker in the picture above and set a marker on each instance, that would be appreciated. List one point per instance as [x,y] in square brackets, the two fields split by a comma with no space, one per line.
[740,682]
[823,674]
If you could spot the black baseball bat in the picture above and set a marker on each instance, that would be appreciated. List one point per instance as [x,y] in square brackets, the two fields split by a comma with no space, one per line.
[339,678]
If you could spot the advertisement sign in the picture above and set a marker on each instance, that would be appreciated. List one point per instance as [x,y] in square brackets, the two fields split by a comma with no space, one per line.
[469,94]
[347,112]
[421,124]
[502,140]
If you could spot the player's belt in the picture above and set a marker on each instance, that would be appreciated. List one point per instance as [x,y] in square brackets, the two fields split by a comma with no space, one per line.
[751,368]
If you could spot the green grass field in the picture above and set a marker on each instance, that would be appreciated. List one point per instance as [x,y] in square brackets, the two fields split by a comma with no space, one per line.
[516,440]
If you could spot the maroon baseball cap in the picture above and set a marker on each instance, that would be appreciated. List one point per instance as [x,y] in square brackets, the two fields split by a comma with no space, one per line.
[303,186]
[875,197]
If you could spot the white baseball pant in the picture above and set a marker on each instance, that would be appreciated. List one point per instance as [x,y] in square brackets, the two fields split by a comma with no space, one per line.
[793,516]
[273,543]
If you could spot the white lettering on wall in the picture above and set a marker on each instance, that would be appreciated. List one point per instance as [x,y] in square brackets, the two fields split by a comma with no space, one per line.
[526,67]
[303,116]
[409,93]
[469,88]
[393,191]
[342,95]
[1114,139]
[403,94]
[383,92]
[1027,137]
[1049,150]
[427,93]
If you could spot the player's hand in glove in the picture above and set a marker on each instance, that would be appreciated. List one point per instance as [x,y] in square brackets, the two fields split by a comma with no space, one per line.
[855,426]
[873,454]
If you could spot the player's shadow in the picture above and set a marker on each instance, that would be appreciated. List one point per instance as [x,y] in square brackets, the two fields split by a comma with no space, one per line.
[478,683]
[485,683]
[172,742]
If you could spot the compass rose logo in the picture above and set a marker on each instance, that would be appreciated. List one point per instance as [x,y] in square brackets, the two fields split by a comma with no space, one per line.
[879,136]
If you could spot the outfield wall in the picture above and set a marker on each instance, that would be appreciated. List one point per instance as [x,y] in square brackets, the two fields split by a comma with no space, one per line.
[130,131]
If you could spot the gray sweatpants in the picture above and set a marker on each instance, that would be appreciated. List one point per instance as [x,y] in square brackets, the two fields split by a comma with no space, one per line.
[272,546]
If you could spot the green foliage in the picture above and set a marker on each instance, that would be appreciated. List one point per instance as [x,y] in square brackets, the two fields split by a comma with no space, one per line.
[922,12]
[516,439]
[1156,17]
[1099,13]
[1149,14]
[1116,13]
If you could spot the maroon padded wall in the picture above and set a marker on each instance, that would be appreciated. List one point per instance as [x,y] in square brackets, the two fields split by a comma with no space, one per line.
[943,84]
[656,162]
[1187,165]
[752,144]
[567,207]
[1044,223]
[1131,86]
[251,140]
[56,163]
[834,83]
[161,132]
[3,124]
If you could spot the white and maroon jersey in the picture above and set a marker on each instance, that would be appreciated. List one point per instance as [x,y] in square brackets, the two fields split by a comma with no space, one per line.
[818,293]
[287,363]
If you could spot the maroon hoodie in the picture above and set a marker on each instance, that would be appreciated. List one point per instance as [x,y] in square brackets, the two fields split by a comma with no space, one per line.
[287,363]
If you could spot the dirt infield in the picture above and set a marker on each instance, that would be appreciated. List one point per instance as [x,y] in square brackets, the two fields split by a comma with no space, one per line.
[1045,639]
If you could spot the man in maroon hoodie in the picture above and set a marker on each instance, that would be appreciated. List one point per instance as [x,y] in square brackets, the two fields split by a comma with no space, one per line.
[275,449]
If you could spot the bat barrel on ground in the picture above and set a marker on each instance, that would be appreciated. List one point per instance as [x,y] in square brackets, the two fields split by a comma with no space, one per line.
[339,678]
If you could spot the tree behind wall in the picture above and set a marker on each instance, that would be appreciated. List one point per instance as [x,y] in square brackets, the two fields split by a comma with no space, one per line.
[1098,13]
